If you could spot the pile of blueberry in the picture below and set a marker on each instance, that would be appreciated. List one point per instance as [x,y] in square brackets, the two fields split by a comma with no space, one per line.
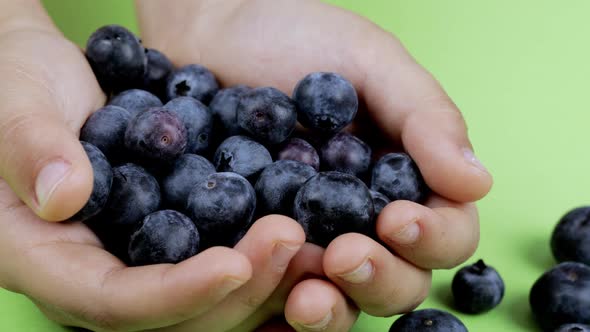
[181,165]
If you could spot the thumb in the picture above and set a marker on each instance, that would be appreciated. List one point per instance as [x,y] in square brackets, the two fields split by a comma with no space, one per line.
[43,161]
[411,107]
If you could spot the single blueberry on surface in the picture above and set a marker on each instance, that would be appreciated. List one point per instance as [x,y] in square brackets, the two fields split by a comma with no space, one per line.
[562,296]
[156,75]
[135,101]
[570,240]
[221,206]
[379,201]
[477,288]
[242,155]
[431,320]
[165,236]
[278,184]
[397,176]
[573,328]
[192,81]
[187,171]
[326,102]
[347,154]
[117,58]
[156,135]
[197,119]
[105,129]
[103,178]
[331,204]
[299,150]
[224,108]
[267,114]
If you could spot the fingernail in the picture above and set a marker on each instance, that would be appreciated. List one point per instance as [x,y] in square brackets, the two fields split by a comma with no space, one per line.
[472,159]
[320,325]
[229,285]
[361,274]
[50,176]
[282,254]
[407,235]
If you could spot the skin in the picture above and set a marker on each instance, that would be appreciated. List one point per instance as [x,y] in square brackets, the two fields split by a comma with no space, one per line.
[55,263]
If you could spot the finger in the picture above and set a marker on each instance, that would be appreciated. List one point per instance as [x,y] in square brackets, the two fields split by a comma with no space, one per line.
[270,244]
[440,236]
[411,106]
[380,283]
[317,305]
[40,156]
[98,292]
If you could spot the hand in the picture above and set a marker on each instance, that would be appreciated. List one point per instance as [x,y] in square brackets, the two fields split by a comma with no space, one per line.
[276,43]
[47,91]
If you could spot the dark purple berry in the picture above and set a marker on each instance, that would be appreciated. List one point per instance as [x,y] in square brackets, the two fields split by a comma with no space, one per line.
[221,206]
[347,154]
[331,204]
[267,114]
[198,121]
[105,129]
[164,237]
[135,101]
[224,107]
[326,102]
[187,171]
[117,58]
[379,201]
[562,296]
[103,178]
[570,240]
[156,75]
[428,320]
[397,176]
[573,328]
[242,155]
[192,81]
[156,135]
[299,150]
[477,288]
[278,184]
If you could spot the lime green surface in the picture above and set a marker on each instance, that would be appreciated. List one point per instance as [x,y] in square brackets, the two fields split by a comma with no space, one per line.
[520,72]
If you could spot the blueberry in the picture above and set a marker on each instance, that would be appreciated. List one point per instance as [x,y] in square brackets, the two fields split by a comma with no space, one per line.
[299,150]
[267,114]
[157,135]
[105,129]
[103,179]
[134,195]
[165,236]
[278,184]
[197,119]
[156,75]
[192,81]
[379,201]
[347,154]
[187,171]
[242,155]
[221,206]
[397,176]
[477,288]
[117,58]
[562,296]
[224,107]
[135,101]
[570,240]
[326,102]
[431,320]
[332,203]
[573,328]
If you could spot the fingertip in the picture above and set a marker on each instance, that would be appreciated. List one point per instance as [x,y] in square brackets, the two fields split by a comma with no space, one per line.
[280,228]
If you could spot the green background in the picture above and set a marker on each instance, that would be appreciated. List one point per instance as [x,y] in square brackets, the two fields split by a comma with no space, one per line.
[519,71]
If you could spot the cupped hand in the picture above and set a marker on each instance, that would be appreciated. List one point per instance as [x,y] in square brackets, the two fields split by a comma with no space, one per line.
[47,90]
[276,43]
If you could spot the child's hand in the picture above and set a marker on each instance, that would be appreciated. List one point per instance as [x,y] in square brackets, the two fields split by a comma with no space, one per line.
[276,43]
